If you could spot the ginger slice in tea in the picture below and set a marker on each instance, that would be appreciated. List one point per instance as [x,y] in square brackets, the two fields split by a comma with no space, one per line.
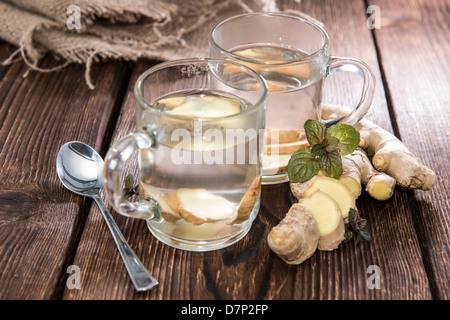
[207,108]
[247,204]
[167,212]
[199,205]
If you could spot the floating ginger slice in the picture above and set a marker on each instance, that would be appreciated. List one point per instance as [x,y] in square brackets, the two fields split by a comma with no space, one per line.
[248,202]
[279,136]
[277,65]
[207,107]
[285,148]
[199,205]
[172,102]
[279,145]
[299,71]
[157,195]
[275,164]
[329,219]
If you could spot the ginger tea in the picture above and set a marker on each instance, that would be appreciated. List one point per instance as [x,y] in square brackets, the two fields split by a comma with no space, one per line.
[205,176]
[197,139]
[295,87]
[291,53]
[295,91]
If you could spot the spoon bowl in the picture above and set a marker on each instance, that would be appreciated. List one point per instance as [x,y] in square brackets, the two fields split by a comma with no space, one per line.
[79,167]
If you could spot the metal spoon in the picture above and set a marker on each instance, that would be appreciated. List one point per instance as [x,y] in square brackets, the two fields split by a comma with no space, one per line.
[79,168]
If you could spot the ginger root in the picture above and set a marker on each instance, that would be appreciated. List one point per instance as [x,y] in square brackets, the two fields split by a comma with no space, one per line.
[335,188]
[359,170]
[389,154]
[296,237]
[315,222]
[329,219]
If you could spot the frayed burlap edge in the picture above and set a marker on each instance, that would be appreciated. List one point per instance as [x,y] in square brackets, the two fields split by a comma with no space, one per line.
[31,50]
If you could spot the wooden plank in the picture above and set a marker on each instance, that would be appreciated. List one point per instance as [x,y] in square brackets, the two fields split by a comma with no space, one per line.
[342,274]
[103,274]
[248,269]
[413,43]
[39,219]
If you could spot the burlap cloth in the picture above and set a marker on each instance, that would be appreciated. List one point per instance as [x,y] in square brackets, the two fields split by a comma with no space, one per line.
[115,29]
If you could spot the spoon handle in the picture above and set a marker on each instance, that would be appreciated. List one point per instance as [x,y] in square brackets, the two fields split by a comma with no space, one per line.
[139,275]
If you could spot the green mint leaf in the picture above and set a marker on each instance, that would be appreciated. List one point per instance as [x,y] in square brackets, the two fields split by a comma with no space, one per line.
[331,162]
[330,144]
[348,138]
[315,131]
[129,182]
[317,150]
[358,225]
[365,235]
[353,215]
[130,190]
[126,191]
[348,235]
[362,224]
[302,166]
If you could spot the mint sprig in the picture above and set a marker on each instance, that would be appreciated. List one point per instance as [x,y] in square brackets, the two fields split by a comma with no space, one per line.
[130,189]
[348,138]
[356,225]
[327,146]
[302,165]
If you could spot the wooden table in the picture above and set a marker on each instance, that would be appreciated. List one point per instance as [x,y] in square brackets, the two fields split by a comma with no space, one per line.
[44,228]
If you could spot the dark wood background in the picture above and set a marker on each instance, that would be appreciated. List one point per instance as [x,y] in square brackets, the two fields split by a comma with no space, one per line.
[44,228]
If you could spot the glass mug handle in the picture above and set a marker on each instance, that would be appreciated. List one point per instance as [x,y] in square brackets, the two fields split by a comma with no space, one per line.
[359,67]
[115,159]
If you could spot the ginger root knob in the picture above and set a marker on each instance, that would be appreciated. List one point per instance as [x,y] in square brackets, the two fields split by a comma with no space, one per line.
[296,237]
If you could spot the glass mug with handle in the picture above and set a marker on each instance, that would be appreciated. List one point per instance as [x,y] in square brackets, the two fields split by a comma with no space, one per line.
[291,54]
[199,143]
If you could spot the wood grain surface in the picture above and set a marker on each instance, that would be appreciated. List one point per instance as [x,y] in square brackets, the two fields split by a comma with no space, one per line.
[418,90]
[40,221]
[44,228]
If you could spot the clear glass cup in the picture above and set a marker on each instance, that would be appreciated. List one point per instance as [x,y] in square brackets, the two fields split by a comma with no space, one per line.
[200,124]
[291,53]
